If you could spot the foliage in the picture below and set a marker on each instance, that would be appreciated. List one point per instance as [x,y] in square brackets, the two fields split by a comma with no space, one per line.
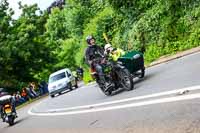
[24,51]
[67,54]
[38,43]
[87,77]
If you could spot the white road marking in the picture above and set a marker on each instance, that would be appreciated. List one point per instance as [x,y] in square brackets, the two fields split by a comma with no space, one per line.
[149,102]
[129,99]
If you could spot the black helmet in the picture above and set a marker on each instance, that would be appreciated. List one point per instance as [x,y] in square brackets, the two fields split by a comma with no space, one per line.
[88,38]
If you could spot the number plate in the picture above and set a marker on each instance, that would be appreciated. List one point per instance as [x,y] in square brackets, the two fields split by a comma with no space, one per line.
[8,110]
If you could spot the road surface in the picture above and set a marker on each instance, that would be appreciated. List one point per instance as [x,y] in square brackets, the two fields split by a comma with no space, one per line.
[167,100]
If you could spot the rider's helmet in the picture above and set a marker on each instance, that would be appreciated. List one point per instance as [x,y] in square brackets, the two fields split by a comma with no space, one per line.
[88,38]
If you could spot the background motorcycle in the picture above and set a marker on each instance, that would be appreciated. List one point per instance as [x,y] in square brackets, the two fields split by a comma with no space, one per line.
[7,111]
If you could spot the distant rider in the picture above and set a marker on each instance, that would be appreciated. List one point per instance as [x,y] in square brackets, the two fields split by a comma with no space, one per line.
[6,98]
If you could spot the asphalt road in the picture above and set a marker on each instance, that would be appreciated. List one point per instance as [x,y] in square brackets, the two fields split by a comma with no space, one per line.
[167,100]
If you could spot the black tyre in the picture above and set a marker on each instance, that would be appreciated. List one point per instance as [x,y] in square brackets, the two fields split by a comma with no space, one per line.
[52,96]
[107,93]
[11,120]
[102,87]
[70,86]
[142,73]
[76,85]
[126,79]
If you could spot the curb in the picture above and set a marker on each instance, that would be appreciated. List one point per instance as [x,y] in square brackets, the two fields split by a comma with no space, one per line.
[176,56]
[31,102]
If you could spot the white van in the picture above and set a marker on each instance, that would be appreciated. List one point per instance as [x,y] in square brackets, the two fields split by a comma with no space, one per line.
[60,81]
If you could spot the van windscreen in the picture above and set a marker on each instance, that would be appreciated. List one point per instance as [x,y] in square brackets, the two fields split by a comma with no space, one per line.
[57,77]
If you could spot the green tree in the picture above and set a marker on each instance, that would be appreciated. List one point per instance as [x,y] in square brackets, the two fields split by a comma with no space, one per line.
[5,28]
[27,52]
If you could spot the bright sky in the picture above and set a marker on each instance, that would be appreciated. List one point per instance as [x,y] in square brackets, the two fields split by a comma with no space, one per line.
[43,4]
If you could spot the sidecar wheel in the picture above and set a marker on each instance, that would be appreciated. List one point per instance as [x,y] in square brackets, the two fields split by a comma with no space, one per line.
[126,79]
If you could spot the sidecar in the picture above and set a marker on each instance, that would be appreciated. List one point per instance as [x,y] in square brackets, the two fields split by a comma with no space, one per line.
[134,62]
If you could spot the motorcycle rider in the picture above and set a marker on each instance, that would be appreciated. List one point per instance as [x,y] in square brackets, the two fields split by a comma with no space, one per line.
[74,73]
[114,53]
[80,72]
[93,52]
[6,98]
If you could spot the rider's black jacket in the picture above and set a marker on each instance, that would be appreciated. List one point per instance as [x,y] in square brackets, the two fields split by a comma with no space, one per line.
[92,52]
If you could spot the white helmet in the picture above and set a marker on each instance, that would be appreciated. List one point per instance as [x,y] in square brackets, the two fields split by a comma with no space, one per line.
[107,46]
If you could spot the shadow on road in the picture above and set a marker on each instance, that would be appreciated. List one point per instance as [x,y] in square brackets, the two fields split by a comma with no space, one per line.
[64,92]
[146,77]
[19,120]
[117,91]
[136,81]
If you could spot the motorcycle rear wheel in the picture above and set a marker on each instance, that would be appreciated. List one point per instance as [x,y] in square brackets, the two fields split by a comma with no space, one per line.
[11,120]
[126,79]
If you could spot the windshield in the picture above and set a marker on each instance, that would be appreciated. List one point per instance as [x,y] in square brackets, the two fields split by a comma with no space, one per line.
[57,77]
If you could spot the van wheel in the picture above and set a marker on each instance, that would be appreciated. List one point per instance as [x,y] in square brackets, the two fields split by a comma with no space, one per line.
[70,86]
[76,85]
[52,96]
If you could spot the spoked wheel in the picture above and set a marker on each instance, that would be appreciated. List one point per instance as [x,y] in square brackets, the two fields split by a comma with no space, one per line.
[103,88]
[107,93]
[126,79]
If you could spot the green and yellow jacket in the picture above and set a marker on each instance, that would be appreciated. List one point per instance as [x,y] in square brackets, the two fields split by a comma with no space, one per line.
[116,53]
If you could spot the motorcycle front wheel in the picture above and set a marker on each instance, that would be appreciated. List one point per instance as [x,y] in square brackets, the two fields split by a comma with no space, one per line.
[103,88]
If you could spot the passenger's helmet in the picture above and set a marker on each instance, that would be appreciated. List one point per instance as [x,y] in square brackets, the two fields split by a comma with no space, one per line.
[88,38]
[107,46]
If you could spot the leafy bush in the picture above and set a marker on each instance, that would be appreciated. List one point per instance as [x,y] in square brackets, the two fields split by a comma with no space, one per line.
[87,77]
